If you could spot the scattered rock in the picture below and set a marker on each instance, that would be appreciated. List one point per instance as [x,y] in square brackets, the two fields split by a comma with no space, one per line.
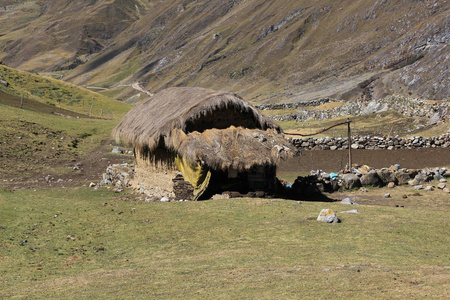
[119,175]
[441,185]
[353,211]
[328,216]
[49,178]
[92,184]
[387,195]
[414,182]
[350,181]
[164,199]
[117,150]
[429,188]
[348,201]
[220,196]
[418,187]
[391,185]
[446,190]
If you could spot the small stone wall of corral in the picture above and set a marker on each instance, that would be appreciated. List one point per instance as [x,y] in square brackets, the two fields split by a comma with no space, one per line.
[372,142]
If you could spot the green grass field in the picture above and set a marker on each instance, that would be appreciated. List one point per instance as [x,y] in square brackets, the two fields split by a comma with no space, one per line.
[60,94]
[80,243]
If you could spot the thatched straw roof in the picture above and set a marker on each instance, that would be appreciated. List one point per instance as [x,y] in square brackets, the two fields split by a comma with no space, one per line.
[166,116]
[239,148]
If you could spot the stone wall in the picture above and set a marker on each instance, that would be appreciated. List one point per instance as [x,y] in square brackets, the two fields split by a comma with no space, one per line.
[435,111]
[364,176]
[372,142]
[293,104]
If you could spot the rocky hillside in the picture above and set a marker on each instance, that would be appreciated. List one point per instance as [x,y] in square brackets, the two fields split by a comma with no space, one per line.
[268,51]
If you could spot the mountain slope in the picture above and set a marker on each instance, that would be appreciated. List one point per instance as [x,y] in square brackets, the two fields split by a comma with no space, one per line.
[44,94]
[268,51]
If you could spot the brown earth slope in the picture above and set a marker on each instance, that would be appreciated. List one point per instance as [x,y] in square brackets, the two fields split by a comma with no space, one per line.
[268,51]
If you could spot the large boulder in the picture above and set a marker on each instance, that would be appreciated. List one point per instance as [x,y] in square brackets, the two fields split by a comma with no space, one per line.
[370,179]
[403,176]
[328,216]
[350,181]
[387,175]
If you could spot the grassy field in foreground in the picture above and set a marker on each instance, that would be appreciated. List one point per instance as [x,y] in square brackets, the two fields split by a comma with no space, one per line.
[80,243]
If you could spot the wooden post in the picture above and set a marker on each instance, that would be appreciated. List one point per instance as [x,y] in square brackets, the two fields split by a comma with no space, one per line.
[349,145]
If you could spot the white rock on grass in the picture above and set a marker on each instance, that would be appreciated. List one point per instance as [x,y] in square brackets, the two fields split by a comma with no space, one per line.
[429,188]
[164,199]
[441,185]
[353,211]
[117,150]
[328,216]
[348,201]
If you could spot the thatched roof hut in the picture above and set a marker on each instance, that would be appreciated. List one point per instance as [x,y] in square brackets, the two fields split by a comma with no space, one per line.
[203,129]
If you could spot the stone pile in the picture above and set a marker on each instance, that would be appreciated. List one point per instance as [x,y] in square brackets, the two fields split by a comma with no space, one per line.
[118,175]
[373,142]
[364,176]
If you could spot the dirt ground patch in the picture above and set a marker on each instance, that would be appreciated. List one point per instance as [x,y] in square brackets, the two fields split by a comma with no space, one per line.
[74,172]
[334,161]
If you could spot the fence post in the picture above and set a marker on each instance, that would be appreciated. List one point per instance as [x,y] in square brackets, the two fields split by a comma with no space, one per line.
[349,145]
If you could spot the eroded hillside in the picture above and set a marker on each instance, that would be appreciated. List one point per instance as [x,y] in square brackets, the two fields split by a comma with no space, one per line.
[267,51]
